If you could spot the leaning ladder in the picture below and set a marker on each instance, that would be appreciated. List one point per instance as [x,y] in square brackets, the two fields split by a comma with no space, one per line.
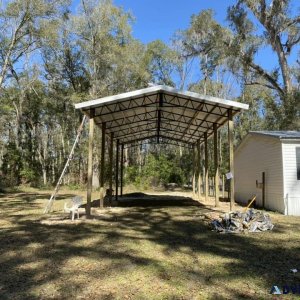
[52,198]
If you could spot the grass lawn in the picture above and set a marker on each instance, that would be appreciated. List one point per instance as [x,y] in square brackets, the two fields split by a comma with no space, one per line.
[153,250]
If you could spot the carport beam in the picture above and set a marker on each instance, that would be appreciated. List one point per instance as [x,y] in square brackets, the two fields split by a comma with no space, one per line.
[206,165]
[231,162]
[90,163]
[216,161]
[102,167]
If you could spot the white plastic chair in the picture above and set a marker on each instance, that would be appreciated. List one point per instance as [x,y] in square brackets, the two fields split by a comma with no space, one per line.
[76,203]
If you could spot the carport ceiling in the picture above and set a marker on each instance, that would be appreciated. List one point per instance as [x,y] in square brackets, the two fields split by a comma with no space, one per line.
[162,113]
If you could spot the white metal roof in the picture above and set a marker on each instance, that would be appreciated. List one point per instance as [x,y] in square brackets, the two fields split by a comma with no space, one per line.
[160,112]
[279,134]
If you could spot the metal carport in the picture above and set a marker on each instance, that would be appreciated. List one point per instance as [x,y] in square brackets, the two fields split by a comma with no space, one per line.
[161,114]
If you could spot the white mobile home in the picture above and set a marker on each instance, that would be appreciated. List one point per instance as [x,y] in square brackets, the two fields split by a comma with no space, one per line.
[274,155]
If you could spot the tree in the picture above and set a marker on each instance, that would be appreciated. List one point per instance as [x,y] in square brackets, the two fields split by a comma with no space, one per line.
[42,86]
[253,24]
[160,62]
[23,23]
[111,54]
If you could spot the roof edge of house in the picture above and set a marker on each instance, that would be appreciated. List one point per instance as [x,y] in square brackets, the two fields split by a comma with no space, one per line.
[263,134]
[284,135]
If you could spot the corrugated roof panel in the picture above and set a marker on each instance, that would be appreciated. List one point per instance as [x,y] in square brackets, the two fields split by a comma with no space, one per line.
[280,134]
[160,111]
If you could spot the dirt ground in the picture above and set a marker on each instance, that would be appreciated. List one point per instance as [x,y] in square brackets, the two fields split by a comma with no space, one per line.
[153,246]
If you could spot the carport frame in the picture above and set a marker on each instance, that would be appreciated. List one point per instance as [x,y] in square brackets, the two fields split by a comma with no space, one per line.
[163,114]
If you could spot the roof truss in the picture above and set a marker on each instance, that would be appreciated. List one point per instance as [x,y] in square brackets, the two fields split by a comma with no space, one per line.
[161,113]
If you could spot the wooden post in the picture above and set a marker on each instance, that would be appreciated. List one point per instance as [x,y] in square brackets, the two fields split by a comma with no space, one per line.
[263,189]
[111,155]
[198,169]
[102,167]
[90,163]
[231,162]
[122,167]
[223,186]
[206,165]
[216,161]
[117,170]
[194,173]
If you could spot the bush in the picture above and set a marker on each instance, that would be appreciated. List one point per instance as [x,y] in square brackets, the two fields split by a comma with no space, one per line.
[27,175]
[11,166]
[158,170]
[75,187]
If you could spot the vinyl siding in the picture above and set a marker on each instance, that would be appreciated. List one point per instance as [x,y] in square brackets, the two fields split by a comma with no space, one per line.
[255,155]
[291,184]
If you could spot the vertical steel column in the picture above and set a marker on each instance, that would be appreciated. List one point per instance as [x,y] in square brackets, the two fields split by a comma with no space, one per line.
[206,165]
[90,163]
[122,167]
[231,162]
[111,157]
[216,163]
[102,167]
[117,169]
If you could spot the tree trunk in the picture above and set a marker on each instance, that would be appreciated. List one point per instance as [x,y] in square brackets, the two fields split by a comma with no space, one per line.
[283,65]
[44,175]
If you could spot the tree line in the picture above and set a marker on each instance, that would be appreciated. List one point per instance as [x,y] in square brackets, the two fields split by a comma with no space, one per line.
[52,58]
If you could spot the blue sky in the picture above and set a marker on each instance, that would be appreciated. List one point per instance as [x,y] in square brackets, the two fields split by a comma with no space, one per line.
[160,19]
[156,19]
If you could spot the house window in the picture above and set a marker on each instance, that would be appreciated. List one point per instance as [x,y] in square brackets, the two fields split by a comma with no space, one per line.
[298,162]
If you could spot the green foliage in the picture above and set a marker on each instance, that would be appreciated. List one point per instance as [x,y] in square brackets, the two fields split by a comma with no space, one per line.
[11,166]
[112,58]
[159,170]
[236,48]
[27,175]
[132,173]
[75,187]
[23,26]
[51,58]
[160,62]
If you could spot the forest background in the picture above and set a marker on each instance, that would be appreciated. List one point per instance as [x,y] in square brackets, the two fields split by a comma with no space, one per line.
[52,57]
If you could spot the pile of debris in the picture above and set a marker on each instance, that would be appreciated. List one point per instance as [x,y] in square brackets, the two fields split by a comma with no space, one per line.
[235,222]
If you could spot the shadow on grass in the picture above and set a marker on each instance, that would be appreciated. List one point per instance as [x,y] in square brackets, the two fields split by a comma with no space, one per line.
[36,259]
[144,200]
[21,201]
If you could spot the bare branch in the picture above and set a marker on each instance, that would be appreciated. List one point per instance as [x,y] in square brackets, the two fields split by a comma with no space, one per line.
[268,77]
[293,22]
[261,84]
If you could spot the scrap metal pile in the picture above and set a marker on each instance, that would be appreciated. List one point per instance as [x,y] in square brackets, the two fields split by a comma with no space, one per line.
[235,222]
